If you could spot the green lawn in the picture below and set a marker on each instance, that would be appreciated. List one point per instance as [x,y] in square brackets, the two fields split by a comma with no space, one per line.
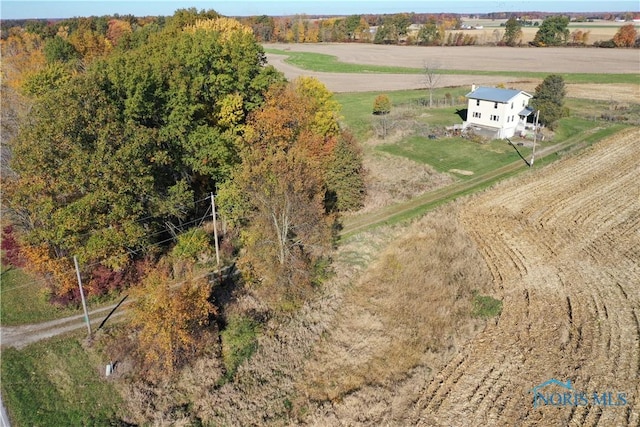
[445,154]
[330,64]
[23,300]
[357,108]
[457,153]
[57,383]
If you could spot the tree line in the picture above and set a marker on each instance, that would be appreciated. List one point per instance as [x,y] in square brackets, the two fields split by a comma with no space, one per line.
[92,35]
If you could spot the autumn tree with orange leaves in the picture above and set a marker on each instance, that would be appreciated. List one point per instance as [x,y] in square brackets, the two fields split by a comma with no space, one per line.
[286,192]
[626,36]
[171,321]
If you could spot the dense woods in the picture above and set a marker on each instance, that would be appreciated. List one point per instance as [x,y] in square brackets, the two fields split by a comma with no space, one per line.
[120,130]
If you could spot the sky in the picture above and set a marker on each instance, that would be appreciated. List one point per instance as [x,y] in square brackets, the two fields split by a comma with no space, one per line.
[26,9]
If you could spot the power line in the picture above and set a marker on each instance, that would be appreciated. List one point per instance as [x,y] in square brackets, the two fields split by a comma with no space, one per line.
[87,233]
[200,221]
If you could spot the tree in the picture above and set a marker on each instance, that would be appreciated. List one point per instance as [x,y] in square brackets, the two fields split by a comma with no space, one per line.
[352,24]
[381,105]
[553,32]
[287,228]
[626,36]
[170,321]
[295,166]
[549,99]
[59,49]
[579,37]
[345,176]
[52,77]
[431,78]
[430,34]
[512,32]
[117,29]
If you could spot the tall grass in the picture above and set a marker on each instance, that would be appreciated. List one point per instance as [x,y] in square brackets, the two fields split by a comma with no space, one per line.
[416,299]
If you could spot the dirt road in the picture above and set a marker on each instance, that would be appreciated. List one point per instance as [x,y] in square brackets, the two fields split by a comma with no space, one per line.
[23,335]
[563,246]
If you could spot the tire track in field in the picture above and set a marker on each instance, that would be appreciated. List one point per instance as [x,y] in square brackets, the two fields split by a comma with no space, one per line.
[562,246]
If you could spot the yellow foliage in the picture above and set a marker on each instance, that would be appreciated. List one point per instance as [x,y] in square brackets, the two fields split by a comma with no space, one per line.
[170,319]
[60,271]
[225,26]
[231,110]
[21,55]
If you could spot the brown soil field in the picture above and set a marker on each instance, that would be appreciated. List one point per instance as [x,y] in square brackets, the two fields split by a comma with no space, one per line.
[483,58]
[563,246]
[561,60]
[354,82]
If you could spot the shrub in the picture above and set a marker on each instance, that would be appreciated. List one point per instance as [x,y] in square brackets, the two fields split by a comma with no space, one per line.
[239,342]
[381,105]
[485,306]
[192,244]
[11,253]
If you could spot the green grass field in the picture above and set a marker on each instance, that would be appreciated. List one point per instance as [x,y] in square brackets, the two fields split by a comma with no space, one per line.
[22,300]
[457,153]
[57,383]
[357,108]
[330,64]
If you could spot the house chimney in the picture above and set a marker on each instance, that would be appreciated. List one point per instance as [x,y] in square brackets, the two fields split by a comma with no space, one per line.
[473,88]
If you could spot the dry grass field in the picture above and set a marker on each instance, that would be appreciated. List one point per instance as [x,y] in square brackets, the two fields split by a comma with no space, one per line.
[598,30]
[562,245]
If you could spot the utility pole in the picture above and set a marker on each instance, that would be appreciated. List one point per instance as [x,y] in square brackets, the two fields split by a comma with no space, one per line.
[215,230]
[535,136]
[84,303]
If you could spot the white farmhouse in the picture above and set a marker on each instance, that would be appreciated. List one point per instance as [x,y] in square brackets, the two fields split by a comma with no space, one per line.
[497,113]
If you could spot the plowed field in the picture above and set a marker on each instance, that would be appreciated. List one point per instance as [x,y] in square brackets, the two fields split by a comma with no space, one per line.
[563,247]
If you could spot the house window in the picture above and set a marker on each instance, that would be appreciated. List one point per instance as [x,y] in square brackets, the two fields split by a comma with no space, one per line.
[512,105]
[476,114]
[494,118]
[495,105]
[477,102]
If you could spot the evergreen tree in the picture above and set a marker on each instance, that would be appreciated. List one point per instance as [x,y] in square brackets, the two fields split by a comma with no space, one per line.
[554,31]
[549,99]
[512,32]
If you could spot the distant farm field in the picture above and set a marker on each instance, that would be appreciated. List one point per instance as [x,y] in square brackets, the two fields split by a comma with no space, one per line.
[480,58]
[591,72]
[598,30]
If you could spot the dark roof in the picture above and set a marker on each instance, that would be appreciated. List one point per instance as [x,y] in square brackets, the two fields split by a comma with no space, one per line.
[526,112]
[494,94]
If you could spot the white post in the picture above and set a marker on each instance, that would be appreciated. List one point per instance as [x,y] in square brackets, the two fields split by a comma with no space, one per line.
[84,303]
[535,136]
[215,230]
